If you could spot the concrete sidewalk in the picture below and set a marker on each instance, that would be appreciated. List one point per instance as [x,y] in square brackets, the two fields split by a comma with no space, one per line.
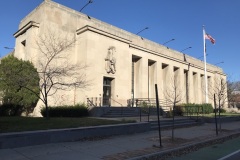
[120,147]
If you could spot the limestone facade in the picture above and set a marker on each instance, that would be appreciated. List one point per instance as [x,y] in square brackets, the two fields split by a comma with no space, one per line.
[122,65]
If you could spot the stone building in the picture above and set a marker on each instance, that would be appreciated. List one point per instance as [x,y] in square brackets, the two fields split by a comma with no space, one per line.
[123,66]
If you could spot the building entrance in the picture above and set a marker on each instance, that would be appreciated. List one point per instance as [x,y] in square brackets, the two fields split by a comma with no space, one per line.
[107,91]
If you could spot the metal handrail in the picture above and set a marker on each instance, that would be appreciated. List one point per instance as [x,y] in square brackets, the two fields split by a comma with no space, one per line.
[151,101]
[91,103]
[95,101]
[115,101]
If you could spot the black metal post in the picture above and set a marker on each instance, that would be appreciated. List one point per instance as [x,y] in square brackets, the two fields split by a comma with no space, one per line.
[197,111]
[173,120]
[148,113]
[159,127]
[140,111]
[219,114]
[215,111]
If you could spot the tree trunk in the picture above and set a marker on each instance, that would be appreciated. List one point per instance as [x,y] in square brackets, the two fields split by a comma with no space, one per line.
[46,102]
[173,114]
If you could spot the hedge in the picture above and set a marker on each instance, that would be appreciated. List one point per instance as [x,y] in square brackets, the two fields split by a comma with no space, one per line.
[79,110]
[193,108]
[10,109]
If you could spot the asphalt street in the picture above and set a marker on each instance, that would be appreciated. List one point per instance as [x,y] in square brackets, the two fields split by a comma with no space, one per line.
[228,150]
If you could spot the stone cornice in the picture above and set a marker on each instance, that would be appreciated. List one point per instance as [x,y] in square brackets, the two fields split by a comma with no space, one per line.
[25,28]
[96,30]
[171,58]
[155,53]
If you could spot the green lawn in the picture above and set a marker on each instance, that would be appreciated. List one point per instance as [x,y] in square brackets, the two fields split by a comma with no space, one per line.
[213,114]
[222,114]
[17,124]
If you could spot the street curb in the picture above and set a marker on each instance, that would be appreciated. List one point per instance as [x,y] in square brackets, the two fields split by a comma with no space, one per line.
[192,146]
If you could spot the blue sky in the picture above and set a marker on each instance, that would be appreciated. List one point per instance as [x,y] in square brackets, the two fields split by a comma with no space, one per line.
[166,19]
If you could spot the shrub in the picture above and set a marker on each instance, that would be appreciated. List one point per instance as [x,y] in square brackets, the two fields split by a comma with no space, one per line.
[143,104]
[179,110]
[193,108]
[9,109]
[221,110]
[207,108]
[79,110]
[169,114]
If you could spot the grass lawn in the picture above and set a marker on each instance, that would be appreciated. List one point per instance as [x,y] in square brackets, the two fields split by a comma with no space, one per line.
[213,114]
[18,124]
[230,114]
[222,114]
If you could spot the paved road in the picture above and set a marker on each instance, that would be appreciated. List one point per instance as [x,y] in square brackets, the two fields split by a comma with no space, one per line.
[215,152]
[232,156]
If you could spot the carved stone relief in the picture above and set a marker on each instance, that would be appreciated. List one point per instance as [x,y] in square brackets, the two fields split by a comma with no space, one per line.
[110,60]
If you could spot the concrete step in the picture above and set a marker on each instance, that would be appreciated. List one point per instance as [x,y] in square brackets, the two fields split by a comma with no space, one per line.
[119,115]
[124,111]
[177,123]
[121,112]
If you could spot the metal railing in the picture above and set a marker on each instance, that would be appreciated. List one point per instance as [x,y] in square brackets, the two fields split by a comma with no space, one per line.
[148,101]
[95,101]
[90,103]
[147,106]
[115,101]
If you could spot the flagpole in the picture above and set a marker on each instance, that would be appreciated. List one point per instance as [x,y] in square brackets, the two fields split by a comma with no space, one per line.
[205,65]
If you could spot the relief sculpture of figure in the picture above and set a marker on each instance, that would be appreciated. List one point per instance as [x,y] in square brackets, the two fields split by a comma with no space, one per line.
[110,60]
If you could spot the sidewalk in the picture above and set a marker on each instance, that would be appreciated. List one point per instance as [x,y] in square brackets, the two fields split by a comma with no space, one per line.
[120,147]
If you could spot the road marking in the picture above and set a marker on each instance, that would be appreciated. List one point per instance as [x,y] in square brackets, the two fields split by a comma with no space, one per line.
[229,155]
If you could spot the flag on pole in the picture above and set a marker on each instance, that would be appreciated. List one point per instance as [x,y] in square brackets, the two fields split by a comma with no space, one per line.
[208,36]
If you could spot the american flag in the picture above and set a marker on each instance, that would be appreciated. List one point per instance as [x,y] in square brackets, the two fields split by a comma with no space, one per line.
[207,36]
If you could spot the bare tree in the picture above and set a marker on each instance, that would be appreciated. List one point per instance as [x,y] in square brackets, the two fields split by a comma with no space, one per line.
[56,70]
[173,92]
[219,89]
[173,95]
[232,87]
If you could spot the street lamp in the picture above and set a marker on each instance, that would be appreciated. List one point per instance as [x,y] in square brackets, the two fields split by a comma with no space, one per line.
[8,48]
[187,83]
[187,73]
[90,1]
[141,30]
[185,49]
[168,41]
[218,63]
[184,56]
[201,56]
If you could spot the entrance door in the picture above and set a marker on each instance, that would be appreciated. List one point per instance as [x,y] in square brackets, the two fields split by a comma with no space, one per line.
[107,91]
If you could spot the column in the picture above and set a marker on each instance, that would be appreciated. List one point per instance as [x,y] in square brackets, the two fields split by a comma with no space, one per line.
[152,78]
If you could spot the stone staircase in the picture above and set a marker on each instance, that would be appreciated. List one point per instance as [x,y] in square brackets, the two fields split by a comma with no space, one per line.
[178,123]
[114,112]
[165,123]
